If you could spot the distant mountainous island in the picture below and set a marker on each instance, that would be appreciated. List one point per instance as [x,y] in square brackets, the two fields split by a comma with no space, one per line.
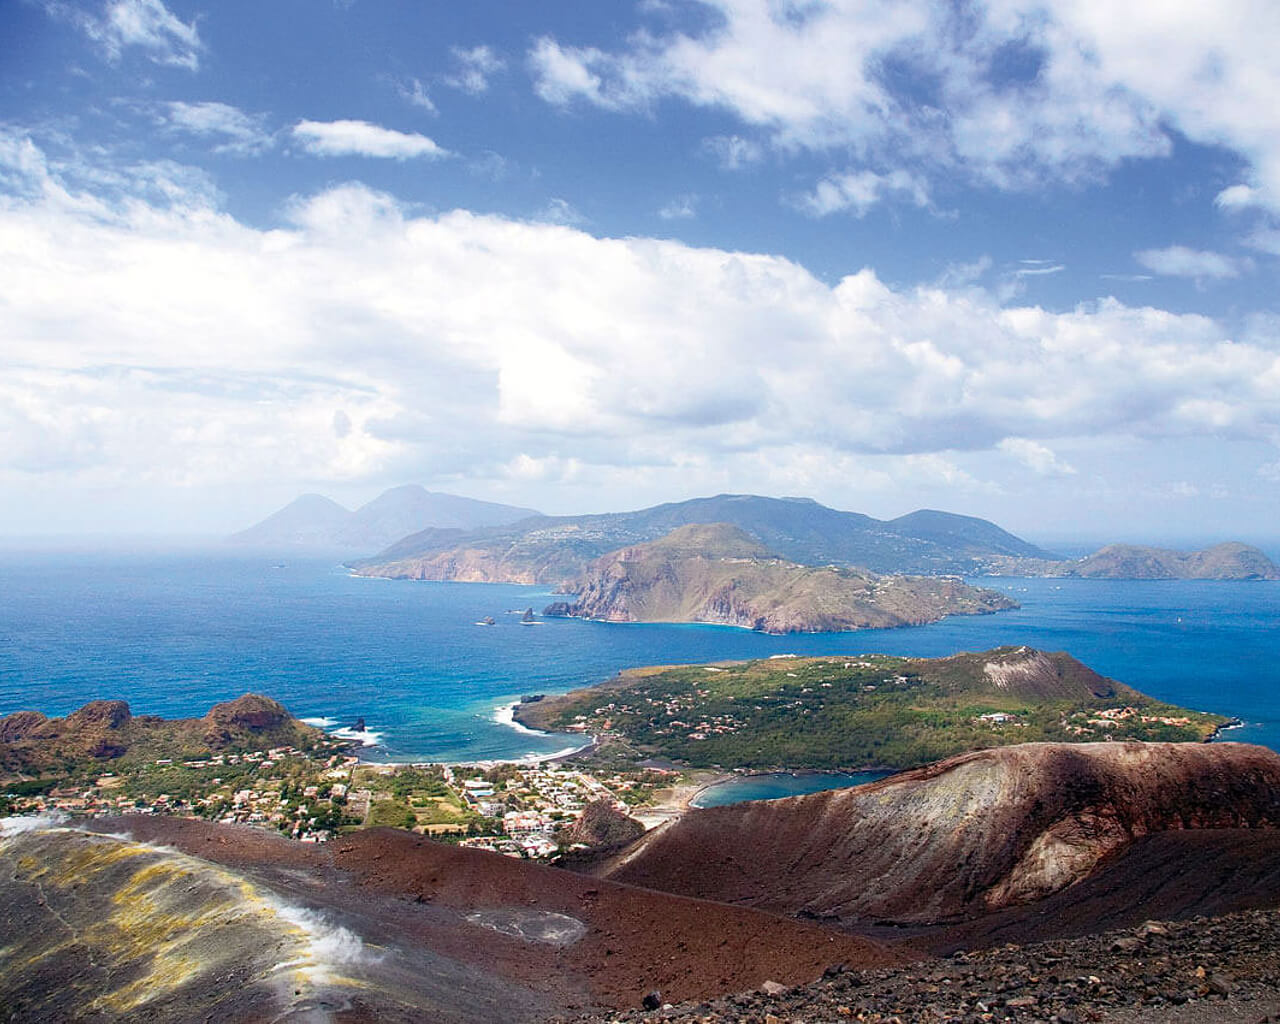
[556,550]
[314,521]
[720,574]
[553,549]
[1229,561]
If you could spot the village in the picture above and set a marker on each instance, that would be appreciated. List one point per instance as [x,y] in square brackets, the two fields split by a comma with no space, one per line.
[522,810]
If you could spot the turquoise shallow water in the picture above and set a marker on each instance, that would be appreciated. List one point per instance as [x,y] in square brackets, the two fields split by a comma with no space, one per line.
[175,633]
[775,785]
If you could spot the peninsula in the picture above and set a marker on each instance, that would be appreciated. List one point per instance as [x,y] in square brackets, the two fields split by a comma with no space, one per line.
[862,711]
[720,574]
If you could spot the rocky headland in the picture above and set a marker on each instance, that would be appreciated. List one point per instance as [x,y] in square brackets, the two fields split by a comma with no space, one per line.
[719,574]
[106,730]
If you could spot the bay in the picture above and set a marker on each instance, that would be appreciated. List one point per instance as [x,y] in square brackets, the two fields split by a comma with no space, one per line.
[173,633]
[776,785]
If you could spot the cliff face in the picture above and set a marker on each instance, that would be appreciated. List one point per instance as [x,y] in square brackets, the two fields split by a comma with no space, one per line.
[719,574]
[965,836]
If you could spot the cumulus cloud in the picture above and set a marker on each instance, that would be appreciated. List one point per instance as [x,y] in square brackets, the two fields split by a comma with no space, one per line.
[1036,457]
[1016,91]
[1180,261]
[858,191]
[473,69]
[242,134]
[1237,197]
[147,25]
[170,342]
[360,138]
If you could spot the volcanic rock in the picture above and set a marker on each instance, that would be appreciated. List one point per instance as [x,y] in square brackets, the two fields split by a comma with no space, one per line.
[959,838]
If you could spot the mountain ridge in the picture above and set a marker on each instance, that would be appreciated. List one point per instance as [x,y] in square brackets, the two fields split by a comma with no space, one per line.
[553,549]
[315,521]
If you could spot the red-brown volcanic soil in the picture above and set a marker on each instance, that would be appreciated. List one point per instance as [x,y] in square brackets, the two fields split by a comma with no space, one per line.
[1014,845]
[958,839]
[399,891]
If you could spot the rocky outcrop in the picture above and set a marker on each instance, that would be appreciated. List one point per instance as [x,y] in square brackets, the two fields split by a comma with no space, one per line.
[1022,672]
[103,730]
[719,574]
[601,826]
[962,837]
[250,715]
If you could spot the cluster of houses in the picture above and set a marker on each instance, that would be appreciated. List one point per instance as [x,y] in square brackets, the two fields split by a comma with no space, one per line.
[258,805]
[548,798]
[531,803]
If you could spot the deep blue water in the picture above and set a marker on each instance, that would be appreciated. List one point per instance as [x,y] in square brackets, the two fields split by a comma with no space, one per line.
[175,633]
[774,785]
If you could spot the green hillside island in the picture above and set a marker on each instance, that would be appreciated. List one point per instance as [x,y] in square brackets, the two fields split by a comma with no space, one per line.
[720,574]
[861,711]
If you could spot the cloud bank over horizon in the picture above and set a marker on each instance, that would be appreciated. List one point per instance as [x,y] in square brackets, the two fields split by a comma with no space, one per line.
[990,257]
[170,344]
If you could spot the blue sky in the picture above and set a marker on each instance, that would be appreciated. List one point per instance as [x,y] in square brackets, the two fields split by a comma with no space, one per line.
[1015,258]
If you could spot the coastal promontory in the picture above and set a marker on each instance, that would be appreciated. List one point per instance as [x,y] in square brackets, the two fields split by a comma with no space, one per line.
[719,574]
[861,711]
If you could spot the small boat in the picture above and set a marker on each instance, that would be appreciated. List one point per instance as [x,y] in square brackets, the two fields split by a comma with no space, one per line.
[488,620]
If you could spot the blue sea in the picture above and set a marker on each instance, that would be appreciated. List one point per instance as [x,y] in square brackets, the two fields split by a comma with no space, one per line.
[174,633]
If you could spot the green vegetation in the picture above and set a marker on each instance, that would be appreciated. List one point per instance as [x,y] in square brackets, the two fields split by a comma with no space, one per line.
[865,711]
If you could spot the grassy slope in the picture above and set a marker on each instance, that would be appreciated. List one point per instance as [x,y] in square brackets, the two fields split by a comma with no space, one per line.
[864,711]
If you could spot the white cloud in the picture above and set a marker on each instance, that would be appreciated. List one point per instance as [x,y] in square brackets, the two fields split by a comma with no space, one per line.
[1088,94]
[1237,197]
[147,341]
[733,152]
[857,191]
[1036,457]
[360,138]
[416,93]
[1037,268]
[243,134]
[474,68]
[561,211]
[145,24]
[680,208]
[1180,261]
